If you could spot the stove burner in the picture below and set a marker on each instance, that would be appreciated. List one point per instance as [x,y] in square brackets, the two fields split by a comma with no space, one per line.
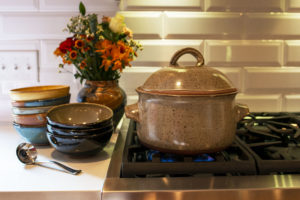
[140,161]
[203,158]
[264,128]
[156,156]
[273,139]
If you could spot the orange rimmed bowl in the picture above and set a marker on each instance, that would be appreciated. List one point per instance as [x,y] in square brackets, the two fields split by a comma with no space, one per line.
[39,92]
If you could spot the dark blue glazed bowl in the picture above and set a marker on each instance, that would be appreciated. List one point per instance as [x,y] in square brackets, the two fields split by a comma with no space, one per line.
[73,132]
[45,102]
[79,145]
[79,116]
[34,134]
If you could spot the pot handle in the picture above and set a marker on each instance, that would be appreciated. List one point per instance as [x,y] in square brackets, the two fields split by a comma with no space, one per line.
[194,52]
[241,111]
[132,112]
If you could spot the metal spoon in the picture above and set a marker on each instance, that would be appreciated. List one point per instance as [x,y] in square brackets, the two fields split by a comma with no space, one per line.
[27,154]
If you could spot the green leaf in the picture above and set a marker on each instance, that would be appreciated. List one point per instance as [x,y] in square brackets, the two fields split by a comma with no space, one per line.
[93,23]
[82,8]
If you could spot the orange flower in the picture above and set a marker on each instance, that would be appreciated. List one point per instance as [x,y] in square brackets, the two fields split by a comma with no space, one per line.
[105,19]
[82,36]
[58,52]
[83,50]
[73,54]
[83,65]
[65,61]
[106,64]
[79,44]
[117,65]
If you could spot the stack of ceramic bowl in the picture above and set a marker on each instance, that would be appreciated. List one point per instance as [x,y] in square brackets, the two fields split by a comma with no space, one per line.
[30,107]
[79,128]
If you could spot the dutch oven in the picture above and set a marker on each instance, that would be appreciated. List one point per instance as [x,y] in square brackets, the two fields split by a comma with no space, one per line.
[186,109]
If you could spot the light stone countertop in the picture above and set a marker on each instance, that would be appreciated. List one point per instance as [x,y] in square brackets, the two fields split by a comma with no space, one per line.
[18,181]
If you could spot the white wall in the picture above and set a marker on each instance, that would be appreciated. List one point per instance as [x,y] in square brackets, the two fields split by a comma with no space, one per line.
[256,43]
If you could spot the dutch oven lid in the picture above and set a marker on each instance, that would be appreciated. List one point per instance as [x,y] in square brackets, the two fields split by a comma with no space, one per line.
[187,80]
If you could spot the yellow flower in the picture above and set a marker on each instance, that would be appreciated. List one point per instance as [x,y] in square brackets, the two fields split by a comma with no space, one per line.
[127,32]
[117,24]
[79,44]
[73,54]
[83,65]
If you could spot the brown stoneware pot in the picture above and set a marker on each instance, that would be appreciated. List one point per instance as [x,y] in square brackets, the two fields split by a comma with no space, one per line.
[187,109]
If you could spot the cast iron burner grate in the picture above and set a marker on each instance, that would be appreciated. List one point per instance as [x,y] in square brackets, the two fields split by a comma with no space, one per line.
[274,141]
[140,161]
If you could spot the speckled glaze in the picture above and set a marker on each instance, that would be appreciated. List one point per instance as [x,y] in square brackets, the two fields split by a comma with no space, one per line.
[187,110]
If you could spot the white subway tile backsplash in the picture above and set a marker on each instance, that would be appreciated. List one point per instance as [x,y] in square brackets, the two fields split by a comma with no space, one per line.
[291,103]
[18,5]
[243,53]
[73,5]
[249,40]
[244,5]
[133,77]
[161,5]
[261,103]
[272,79]
[17,45]
[53,76]
[292,5]
[292,52]
[160,52]
[234,75]
[272,25]
[145,24]
[179,25]
[35,24]
[48,59]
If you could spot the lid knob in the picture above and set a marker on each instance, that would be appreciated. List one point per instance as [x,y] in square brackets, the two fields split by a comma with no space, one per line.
[192,51]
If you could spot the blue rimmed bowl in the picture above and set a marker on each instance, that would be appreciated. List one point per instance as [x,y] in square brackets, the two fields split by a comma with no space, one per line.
[30,110]
[40,103]
[33,134]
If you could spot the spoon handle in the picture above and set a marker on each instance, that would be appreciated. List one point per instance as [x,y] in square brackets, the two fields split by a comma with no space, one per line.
[66,168]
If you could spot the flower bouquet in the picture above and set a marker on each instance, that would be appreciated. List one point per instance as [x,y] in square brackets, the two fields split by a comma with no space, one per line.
[99,51]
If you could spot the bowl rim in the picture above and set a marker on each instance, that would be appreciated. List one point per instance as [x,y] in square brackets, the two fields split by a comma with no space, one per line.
[72,125]
[28,126]
[31,108]
[35,89]
[39,100]
[55,128]
[111,131]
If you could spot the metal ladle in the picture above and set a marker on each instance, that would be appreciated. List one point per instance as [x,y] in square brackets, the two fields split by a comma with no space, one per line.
[27,154]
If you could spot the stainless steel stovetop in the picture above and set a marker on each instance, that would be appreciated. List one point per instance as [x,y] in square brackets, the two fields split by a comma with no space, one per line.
[258,187]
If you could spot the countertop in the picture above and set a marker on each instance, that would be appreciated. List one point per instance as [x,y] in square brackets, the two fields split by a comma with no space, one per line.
[19,181]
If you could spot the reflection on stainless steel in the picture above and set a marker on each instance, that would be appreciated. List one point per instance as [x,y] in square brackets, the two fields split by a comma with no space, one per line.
[258,187]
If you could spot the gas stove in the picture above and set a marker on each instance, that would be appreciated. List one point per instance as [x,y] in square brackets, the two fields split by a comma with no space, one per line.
[263,162]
